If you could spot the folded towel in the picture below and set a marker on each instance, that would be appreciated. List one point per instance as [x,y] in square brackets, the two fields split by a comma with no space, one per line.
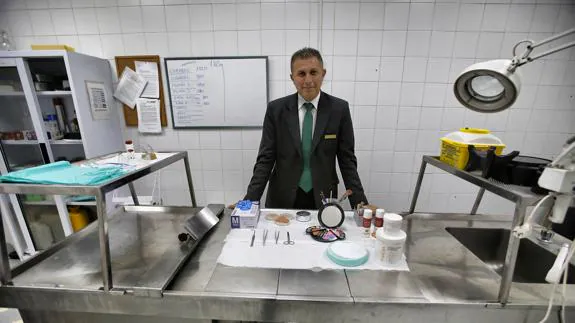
[64,173]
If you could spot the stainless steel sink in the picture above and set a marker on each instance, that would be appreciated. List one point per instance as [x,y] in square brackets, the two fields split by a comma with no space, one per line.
[490,245]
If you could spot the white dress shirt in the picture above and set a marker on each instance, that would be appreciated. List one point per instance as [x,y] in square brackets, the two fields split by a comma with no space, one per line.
[302,111]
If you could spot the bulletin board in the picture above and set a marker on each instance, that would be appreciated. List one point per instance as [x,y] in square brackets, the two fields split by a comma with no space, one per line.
[131,115]
[217,92]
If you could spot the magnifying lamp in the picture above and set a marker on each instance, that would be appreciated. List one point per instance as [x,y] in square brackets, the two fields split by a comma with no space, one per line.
[493,86]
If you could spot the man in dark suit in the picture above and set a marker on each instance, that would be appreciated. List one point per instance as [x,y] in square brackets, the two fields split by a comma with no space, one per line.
[302,135]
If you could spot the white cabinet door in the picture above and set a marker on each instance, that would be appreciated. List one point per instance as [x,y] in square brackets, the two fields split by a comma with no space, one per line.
[16,150]
[24,143]
[101,135]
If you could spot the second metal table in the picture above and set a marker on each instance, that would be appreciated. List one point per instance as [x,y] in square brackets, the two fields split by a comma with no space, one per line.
[521,196]
[99,191]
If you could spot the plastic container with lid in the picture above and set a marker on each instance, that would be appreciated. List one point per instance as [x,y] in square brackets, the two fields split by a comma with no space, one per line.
[42,234]
[392,223]
[389,247]
[78,218]
[454,146]
[379,213]
[130,148]
[347,254]
[367,216]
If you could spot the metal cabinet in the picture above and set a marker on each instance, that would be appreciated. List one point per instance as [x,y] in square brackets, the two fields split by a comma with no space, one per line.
[45,116]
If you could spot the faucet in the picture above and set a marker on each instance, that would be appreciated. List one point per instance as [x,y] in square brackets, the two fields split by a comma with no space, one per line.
[546,234]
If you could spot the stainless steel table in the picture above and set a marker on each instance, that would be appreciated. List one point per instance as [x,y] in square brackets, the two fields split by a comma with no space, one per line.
[99,191]
[521,196]
[447,282]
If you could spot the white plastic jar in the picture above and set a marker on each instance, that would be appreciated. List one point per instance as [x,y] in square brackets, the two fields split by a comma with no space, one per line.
[392,223]
[389,247]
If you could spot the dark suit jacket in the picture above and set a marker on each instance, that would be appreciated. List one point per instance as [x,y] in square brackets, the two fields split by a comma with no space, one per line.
[280,153]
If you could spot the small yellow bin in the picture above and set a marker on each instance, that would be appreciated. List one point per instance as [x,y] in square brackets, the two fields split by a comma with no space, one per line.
[78,218]
[454,146]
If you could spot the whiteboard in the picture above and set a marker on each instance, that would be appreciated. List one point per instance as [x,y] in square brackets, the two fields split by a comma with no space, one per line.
[217,91]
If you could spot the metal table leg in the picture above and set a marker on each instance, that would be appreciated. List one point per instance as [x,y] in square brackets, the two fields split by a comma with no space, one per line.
[477,201]
[5,274]
[64,215]
[190,183]
[133,193]
[417,186]
[9,218]
[511,256]
[105,260]
[413,203]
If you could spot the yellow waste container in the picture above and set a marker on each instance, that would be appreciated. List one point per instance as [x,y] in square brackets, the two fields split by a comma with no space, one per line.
[454,146]
[78,217]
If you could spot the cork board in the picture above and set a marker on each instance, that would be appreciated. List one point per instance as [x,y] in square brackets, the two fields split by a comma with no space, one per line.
[131,116]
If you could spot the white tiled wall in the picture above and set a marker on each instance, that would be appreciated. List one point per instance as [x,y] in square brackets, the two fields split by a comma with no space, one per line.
[394,61]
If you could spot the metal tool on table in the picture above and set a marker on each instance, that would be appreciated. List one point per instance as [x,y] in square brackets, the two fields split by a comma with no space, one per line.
[265,236]
[277,235]
[253,238]
[289,241]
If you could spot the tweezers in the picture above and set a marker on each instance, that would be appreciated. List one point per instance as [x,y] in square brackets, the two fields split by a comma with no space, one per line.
[277,235]
[265,236]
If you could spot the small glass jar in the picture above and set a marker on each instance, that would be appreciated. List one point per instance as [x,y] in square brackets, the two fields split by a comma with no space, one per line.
[130,148]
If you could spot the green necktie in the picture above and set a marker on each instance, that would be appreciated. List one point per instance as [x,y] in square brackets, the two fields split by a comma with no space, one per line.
[306,137]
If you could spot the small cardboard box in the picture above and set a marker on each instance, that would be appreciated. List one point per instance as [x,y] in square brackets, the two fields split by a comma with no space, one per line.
[245,219]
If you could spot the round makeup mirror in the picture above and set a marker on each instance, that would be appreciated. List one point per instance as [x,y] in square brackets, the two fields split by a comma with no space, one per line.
[331,215]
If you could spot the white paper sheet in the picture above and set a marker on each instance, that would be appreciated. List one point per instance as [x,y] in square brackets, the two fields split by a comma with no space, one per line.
[149,71]
[129,87]
[99,105]
[149,115]
[126,161]
[306,253]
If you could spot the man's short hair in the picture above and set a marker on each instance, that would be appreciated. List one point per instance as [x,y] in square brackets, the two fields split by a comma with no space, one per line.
[305,53]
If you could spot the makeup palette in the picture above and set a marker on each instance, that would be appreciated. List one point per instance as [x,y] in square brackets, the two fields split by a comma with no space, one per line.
[323,234]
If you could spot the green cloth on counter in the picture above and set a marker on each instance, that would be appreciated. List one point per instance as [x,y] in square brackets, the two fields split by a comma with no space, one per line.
[64,173]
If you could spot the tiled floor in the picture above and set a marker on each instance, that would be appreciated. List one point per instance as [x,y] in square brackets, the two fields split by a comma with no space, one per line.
[9,315]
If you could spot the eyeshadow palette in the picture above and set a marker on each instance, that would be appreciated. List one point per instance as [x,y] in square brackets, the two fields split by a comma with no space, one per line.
[322,234]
